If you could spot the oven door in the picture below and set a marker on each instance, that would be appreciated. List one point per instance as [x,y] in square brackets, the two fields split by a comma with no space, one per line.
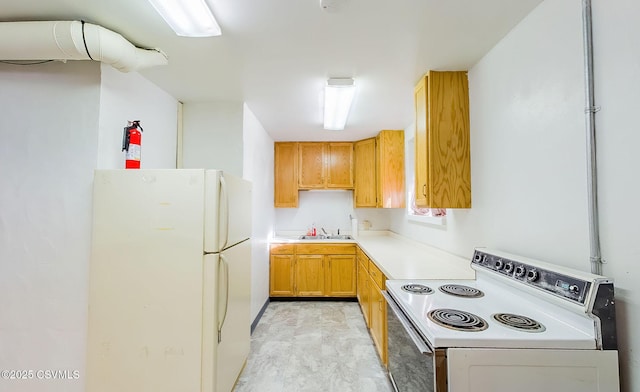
[413,366]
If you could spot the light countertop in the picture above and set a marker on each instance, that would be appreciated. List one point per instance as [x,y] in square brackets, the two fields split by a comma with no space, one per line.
[288,237]
[401,258]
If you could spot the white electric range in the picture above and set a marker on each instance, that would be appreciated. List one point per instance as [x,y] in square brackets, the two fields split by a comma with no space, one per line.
[521,324]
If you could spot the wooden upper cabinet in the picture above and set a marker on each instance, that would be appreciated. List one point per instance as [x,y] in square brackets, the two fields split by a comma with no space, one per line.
[390,168]
[312,165]
[340,165]
[421,142]
[442,156]
[325,165]
[286,174]
[373,168]
[366,187]
[379,171]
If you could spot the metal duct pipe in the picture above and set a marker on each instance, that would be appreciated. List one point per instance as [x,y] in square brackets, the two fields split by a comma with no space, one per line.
[590,111]
[74,40]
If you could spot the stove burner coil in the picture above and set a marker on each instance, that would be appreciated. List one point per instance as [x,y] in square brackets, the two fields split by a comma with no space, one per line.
[417,289]
[458,320]
[521,323]
[461,291]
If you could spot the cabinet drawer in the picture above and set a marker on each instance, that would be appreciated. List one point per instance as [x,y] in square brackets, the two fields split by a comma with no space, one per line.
[282,249]
[376,275]
[326,249]
[362,259]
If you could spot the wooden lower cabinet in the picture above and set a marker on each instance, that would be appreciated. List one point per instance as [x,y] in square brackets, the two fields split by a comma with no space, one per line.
[281,278]
[281,260]
[378,320]
[332,270]
[313,270]
[309,275]
[341,276]
[364,291]
[374,308]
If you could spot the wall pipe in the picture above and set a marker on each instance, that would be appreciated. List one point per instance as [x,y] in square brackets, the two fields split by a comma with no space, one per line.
[590,112]
[74,40]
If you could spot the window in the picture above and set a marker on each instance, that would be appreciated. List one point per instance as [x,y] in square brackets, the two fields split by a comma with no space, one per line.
[415,213]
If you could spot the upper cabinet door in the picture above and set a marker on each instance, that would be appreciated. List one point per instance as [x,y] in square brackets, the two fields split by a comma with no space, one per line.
[365,191]
[339,158]
[379,171]
[442,141]
[422,117]
[325,165]
[311,165]
[286,175]
[390,168]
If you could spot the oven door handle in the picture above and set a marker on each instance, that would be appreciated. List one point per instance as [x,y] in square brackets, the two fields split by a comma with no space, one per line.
[417,340]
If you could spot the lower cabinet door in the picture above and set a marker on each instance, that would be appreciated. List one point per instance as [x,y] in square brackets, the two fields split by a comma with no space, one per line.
[363,293]
[281,282]
[309,275]
[378,324]
[341,277]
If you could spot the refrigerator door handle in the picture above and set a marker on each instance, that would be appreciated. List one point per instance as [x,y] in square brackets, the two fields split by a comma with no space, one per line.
[223,263]
[223,211]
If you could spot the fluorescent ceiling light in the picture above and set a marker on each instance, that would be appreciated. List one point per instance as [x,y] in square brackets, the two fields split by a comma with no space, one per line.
[188,18]
[338,95]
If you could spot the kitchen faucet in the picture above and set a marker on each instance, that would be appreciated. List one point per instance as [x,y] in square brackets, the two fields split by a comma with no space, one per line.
[325,232]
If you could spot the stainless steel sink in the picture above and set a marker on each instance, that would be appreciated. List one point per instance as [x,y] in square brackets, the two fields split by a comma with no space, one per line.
[339,237]
[326,237]
[312,237]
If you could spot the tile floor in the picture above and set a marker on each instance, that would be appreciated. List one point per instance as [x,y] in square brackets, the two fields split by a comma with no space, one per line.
[311,346]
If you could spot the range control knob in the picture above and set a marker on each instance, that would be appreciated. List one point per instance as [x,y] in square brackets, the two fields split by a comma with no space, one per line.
[499,264]
[574,289]
[508,267]
[532,275]
[520,271]
[477,258]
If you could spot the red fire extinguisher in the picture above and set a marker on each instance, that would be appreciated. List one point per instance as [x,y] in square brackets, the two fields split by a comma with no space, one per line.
[131,143]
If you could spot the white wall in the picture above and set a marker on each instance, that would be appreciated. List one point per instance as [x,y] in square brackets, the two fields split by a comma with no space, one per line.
[48,150]
[617,84]
[329,209]
[127,97]
[55,126]
[527,146]
[227,135]
[212,136]
[528,153]
[258,168]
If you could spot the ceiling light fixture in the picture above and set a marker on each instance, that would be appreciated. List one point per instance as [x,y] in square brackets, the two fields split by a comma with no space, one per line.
[338,95]
[188,18]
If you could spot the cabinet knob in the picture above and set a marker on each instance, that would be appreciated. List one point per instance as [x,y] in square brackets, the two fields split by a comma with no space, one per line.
[424,190]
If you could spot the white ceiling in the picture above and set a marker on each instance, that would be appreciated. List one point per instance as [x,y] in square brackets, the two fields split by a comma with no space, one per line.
[276,55]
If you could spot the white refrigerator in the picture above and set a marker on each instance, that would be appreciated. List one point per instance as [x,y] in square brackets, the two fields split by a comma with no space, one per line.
[169,284]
